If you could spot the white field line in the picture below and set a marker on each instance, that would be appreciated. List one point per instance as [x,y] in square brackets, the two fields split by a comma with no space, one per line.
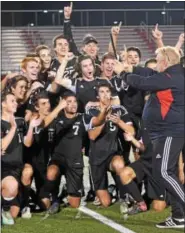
[105,220]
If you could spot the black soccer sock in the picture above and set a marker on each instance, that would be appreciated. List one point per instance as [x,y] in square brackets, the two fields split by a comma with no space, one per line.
[47,188]
[26,194]
[133,190]
[55,190]
[122,191]
[55,197]
[120,186]
[6,203]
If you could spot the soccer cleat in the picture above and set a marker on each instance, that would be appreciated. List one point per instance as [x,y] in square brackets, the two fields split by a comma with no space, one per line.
[137,208]
[26,213]
[54,208]
[172,223]
[90,196]
[128,199]
[113,193]
[7,218]
[124,209]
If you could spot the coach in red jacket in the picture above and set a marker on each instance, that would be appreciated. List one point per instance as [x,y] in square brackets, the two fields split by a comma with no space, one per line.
[163,115]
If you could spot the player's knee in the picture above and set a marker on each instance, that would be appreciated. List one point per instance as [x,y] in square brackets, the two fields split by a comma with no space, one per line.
[10,186]
[14,210]
[104,197]
[118,165]
[52,172]
[127,175]
[45,203]
[74,205]
[105,202]
[74,201]
[158,205]
[27,174]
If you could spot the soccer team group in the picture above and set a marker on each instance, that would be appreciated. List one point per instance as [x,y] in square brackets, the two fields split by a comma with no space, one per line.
[60,109]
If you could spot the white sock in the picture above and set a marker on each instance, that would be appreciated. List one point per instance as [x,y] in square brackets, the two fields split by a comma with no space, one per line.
[179,219]
[8,198]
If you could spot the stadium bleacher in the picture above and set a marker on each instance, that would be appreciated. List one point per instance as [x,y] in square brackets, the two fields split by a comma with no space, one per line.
[19,41]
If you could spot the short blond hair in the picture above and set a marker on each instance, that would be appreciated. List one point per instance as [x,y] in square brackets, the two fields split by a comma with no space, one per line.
[171,54]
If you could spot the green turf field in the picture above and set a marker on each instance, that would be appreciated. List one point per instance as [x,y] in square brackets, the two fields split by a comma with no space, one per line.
[70,221]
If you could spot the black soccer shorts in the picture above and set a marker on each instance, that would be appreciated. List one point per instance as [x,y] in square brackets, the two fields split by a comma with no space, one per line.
[143,169]
[73,174]
[74,180]
[8,170]
[99,174]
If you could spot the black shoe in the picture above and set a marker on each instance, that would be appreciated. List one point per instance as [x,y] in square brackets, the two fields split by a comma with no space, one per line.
[90,196]
[171,223]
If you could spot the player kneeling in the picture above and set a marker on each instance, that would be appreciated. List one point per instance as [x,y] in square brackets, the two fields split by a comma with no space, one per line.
[13,138]
[104,155]
[140,169]
[70,128]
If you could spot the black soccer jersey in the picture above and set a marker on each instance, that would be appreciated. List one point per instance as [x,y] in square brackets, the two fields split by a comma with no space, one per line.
[69,70]
[30,102]
[21,110]
[106,144]
[14,153]
[69,136]
[42,147]
[86,91]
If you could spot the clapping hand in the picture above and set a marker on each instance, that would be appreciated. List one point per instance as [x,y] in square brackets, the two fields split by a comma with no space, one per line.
[115,118]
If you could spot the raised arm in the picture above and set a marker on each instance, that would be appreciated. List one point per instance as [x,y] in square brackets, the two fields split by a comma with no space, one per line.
[6,79]
[157,82]
[180,42]
[67,28]
[100,119]
[158,36]
[115,32]
[99,122]
[48,119]
[28,139]
[60,80]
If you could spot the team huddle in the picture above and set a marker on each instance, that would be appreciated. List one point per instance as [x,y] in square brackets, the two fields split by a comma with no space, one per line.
[58,111]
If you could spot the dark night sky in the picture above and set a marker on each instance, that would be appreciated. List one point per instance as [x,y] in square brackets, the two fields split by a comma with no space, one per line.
[94,18]
[85,5]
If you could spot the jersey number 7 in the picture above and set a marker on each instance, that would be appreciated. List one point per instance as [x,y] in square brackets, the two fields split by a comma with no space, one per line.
[76,128]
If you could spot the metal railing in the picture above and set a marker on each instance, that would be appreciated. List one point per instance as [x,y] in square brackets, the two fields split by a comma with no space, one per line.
[93,17]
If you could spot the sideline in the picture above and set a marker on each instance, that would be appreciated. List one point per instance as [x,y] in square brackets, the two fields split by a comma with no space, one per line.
[105,220]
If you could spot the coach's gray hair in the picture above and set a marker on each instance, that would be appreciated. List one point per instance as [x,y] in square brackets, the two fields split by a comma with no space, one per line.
[171,54]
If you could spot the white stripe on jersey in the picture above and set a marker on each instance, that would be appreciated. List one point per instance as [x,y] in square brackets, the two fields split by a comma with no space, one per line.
[17,118]
[120,106]
[87,126]
[88,108]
